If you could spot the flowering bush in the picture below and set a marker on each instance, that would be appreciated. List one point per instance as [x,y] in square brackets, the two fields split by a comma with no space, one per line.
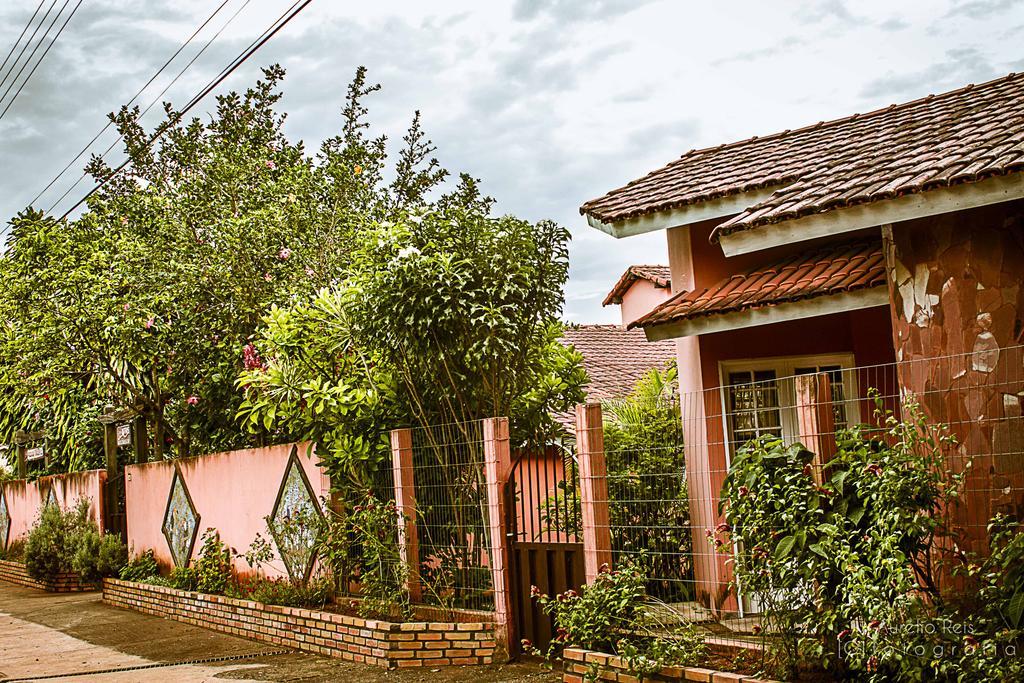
[849,571]
[615,615]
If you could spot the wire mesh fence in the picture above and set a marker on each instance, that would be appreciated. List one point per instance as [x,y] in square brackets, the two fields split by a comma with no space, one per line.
[452,518]
[664,484]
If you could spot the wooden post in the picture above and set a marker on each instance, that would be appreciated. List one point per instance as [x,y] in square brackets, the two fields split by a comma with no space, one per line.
[815,419]
[140,439]
[22,452]
[597,536]
[497,467]
[405,501]
[110,456]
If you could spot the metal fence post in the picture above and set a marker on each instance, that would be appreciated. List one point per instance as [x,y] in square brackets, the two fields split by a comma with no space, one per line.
[405,501]
[497,467]
[815,419]
[597,537]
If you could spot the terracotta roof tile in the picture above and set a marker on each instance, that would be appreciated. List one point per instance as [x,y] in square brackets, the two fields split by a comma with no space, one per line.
[961,136]
[661,276]
[616,358]
[829,270]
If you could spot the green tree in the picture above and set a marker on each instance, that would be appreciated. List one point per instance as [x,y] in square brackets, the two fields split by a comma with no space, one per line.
[147,300]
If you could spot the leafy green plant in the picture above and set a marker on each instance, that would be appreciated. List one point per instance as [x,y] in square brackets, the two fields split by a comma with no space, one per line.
[381,572]
[140,567]
[615,615]
[182,578]
[15,551]
[213,565]
[54,540]
[648,499]
[864,548]
[313,594]
[98,556]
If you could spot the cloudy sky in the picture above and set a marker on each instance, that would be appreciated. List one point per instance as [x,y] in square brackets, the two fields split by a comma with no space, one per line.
[550,102]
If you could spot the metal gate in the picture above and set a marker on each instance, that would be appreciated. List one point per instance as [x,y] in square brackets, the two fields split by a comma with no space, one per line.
[115,518]
[545,543]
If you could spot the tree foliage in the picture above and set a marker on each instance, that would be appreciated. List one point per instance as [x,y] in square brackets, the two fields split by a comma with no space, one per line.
[223,233]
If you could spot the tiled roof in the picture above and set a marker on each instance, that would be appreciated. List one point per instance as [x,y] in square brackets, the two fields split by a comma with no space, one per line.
[956,137]
[615,360]
[661,276]
[828,270]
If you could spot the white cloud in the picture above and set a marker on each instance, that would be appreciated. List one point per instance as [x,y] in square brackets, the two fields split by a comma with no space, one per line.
[550,102]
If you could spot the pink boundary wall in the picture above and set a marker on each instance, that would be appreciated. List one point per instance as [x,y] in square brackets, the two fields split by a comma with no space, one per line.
[232,492]
[26,498]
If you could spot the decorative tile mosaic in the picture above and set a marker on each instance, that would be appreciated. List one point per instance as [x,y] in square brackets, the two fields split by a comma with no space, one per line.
[5,521]
[295,521]
[181,522]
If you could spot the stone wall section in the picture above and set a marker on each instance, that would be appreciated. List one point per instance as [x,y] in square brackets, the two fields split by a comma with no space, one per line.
[957,293]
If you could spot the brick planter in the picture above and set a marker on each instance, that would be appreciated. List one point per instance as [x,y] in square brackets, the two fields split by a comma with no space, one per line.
[66,582]
[382,643]
[578,663]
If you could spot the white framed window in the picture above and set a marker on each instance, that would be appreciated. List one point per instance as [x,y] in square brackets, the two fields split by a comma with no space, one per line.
[759,395]
[759,399]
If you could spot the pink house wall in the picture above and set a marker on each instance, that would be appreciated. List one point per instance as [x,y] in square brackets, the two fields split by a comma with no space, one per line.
[232,492]
[640,299]
[26,498]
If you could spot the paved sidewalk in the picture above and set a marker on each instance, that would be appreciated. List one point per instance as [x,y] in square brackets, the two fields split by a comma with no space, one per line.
[64,637]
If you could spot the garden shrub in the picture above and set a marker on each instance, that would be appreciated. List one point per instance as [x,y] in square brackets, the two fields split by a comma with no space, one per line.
[615,615]
[213,566]
[54,539]
[372,528]
[849,572]
[140,567]
[99,556]
[15,551]
[314,594]
[182,578]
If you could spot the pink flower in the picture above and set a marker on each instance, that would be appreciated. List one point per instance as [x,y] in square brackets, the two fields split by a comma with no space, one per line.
[271,165]
[268,277]
[127,306]
[284,254]
[150,323]
[192,400]
[309,272]
[251,358]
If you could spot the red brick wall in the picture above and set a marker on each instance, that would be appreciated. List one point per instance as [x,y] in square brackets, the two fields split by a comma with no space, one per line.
[66,582]
[581,665]
[382,643]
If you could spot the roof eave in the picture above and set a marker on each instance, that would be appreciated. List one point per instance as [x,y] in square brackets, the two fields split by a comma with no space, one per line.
[687,214]
[766,315]
[942,200]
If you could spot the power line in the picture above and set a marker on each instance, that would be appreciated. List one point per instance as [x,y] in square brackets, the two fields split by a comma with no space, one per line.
[23,32]
[41,58]
[136,96]
[28,42]
[282,21]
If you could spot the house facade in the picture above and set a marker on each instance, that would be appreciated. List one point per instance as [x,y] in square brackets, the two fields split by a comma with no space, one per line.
[639,291]
[880,251]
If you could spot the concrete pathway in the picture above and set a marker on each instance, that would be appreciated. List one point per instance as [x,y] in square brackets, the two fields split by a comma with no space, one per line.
[75,637]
